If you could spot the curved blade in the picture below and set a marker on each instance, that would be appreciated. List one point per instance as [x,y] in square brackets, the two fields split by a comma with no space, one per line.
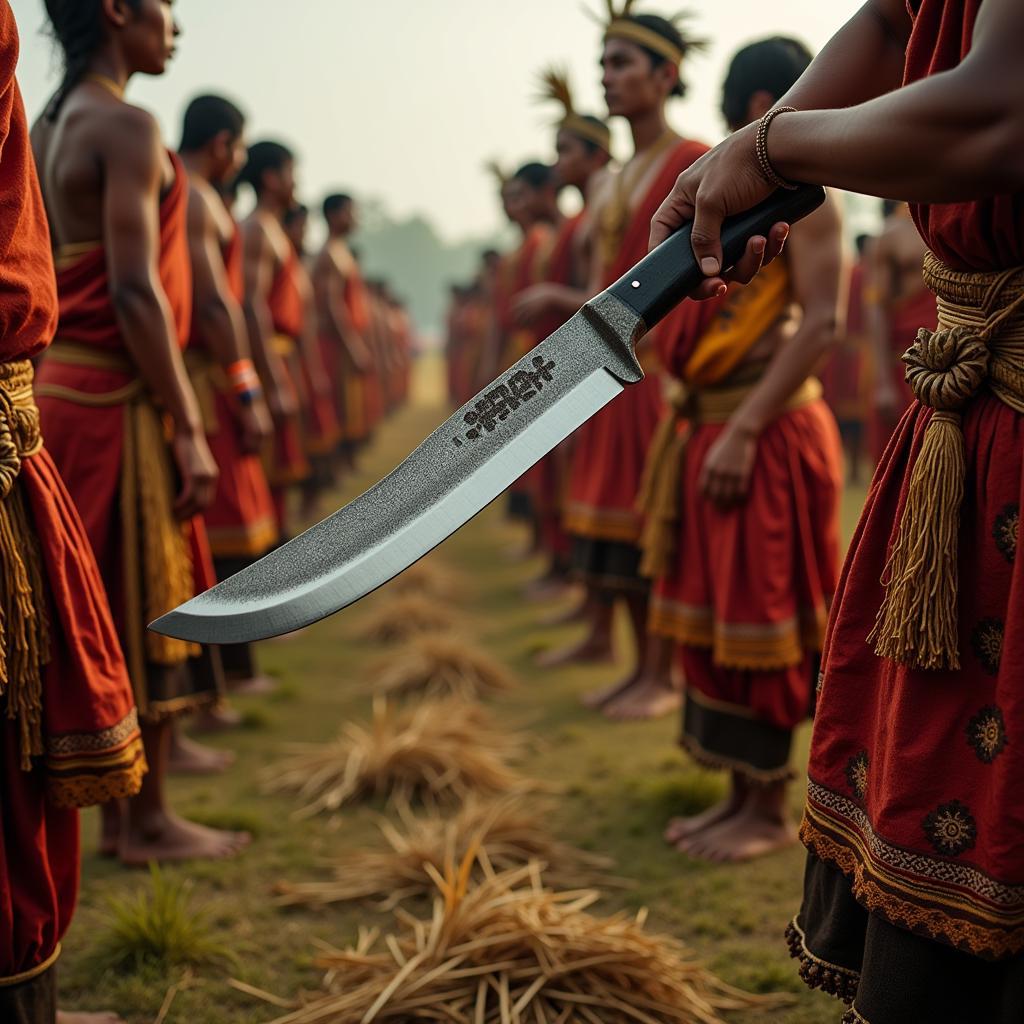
[460,468]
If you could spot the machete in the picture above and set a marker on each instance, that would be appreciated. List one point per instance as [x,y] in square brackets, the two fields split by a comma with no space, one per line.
[474,456]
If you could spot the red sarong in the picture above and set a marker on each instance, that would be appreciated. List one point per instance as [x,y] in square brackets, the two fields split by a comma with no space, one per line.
[110,445]
[914,818]
[241,522]
[91,750]
[748,590]
[610,449]
[353,385]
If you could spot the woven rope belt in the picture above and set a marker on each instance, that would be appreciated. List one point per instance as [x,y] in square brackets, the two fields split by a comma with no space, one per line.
[24,628]
[978,345]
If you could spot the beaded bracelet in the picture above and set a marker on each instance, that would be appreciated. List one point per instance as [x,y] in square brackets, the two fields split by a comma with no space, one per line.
[761,148]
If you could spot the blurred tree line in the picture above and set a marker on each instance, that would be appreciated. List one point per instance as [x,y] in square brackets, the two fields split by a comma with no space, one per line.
[420,264]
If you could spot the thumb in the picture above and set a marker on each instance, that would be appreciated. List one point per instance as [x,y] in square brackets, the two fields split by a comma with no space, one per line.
[706,236]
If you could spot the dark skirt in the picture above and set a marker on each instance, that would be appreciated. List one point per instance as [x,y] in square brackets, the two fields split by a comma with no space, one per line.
[888,975]
[608,564]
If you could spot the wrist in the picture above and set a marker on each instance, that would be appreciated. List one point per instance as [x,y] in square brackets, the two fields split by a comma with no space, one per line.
[746,425]
[767,128]
[188,428]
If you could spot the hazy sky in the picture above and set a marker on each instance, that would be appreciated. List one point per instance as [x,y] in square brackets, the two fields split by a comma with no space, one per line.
[407,99]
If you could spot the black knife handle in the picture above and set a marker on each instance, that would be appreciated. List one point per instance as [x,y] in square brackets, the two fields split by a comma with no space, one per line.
[663,278]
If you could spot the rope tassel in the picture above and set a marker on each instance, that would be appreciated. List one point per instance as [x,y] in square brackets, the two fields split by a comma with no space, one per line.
[917,623]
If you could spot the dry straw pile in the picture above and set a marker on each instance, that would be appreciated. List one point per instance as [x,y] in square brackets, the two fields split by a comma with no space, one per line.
[438,753]
[407,616]
[442,666]
[504,835]
[509,951]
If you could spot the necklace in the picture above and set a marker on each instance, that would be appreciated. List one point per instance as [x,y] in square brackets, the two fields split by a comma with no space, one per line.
[105,82]
[616,214]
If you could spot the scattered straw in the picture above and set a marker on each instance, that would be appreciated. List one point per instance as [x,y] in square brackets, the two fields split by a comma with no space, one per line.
[442,666]
[406,616]
[509,951]
[439,753]
[505,834]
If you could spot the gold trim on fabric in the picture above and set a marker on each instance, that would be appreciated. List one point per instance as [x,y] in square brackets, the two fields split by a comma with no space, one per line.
[65,256]
[898,883]
[89,742]
[755,646]
[283,345]
[88,789]
[32,973]
[601,524]
[254,540]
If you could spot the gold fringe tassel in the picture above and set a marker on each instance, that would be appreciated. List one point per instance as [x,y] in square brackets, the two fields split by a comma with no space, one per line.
[659,498]
[918,621]
[24,625]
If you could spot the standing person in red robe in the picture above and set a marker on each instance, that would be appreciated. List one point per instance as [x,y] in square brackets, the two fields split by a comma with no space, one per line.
[69,734]
[240,522]
[641,61]
[742,528]
[898,304]
[274,315]
[343,314]
[120,415]
[583,145]
[320,429]
[914,893]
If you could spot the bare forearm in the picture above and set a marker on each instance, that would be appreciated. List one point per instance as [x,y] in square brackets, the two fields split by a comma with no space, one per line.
[946,139]
[144,320]
[261,334]
[863,60]
[223,327]
[794,361]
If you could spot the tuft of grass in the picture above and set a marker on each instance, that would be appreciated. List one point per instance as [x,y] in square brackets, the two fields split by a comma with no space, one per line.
[158,928]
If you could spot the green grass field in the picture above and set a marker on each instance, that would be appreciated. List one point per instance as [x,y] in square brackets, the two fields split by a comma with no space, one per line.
[621,782]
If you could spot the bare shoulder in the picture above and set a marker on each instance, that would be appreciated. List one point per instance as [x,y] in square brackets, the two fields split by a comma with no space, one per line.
[129,137]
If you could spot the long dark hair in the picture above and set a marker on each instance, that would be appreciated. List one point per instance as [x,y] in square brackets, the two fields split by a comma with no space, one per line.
[77,26]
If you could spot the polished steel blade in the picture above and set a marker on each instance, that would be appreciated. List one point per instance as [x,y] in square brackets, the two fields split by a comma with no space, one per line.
[460,468]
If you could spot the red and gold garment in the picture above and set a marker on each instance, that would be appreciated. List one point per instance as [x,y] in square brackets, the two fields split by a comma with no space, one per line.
[913,818]
[547,481]
[241,522]
[69,734]
[744,591]
[286,462]
[353,385]
[320,429]
[843,376]
[517,272]
[610,449]
[110,443]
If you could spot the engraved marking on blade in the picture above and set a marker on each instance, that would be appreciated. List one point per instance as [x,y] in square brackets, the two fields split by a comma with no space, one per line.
[505,398]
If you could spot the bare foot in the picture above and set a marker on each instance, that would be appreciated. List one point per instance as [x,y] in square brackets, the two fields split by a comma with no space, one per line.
[186,757]
[255,686]
[591,650]
[170,838]
[220,718]
[547,588]
[646,698]
[597,699]
[742,837]
[682,828]
[88,1018]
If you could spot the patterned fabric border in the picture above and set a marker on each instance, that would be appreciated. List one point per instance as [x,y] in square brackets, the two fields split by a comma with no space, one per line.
[937,897]
[601,523]
[91,742]
[756,646]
